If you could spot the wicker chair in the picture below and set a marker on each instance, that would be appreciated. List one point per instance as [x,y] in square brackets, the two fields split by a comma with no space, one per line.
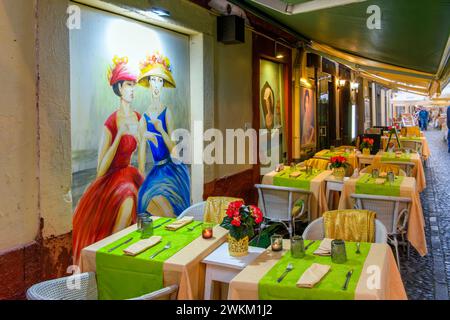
[196,210]
[315,231]
[59,289]
[383,167]
[393,212]
[284,204]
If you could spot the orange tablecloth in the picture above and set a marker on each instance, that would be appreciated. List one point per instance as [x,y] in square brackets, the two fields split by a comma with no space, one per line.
[416,223]
[245,285]
[425,147]
[183,268]
[317,187]
[418,171]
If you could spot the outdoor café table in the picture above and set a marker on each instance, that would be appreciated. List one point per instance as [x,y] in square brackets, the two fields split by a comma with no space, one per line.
[315,183]
[351,156]
[183,268]
[418,171]
[406,188]
[425,147]
[375,276]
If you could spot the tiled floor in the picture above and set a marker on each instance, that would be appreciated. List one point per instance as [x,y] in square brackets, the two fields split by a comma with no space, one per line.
[428,277]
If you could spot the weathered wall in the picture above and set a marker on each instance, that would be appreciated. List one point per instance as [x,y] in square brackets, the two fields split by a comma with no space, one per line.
[19,220]
[35,163]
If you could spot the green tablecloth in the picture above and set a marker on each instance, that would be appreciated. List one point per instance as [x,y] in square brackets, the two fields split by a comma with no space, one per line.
[329,288]
[122,277]
[330,154]
[366,185]
[303,181]
[419,139]
[390,156]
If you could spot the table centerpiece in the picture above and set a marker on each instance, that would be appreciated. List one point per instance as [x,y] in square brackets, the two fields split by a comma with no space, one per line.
[339,165]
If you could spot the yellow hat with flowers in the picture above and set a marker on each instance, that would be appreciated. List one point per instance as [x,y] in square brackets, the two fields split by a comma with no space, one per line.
[159,66]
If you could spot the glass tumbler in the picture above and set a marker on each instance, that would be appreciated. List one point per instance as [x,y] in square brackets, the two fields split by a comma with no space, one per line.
[338,253]
[147,227]
[297,247]
[139,219]
[375,173]
[277,242]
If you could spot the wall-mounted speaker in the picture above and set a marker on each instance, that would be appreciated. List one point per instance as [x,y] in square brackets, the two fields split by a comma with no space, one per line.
[312,60]
[231,29]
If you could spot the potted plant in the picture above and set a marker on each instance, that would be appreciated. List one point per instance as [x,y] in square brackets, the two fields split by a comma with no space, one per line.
[339,165]
[366,145]
[241,221]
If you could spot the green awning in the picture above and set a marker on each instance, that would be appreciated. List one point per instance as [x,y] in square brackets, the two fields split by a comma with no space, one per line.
[413,34]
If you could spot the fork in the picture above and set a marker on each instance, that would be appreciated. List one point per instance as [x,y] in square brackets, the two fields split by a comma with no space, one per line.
[347,279]
[357,248]
[288,269]
[167,246]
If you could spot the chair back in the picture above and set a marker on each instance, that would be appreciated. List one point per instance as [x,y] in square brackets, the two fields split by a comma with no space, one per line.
[384,167]
[413,145]
[315,231]
[393,212]
[283,203]
[167,293]
[316,163]
[196,210]
[407,167]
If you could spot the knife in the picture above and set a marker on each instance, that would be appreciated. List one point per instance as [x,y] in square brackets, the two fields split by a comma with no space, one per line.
[159,225]
[349,274]
[309,244]
[120,244]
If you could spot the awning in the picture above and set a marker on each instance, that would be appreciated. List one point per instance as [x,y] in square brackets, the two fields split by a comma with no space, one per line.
[410,51]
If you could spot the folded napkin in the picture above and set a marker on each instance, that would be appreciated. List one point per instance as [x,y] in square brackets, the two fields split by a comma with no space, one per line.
[177,224]
[295,174]
[380,181]
[324,248]
[313,275]
[142,245]
[383,174]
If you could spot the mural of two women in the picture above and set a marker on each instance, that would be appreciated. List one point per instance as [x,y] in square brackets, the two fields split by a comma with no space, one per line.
[111,201]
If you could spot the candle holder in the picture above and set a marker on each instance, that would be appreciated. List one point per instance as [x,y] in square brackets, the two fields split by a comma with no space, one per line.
[207,230]
[277,242]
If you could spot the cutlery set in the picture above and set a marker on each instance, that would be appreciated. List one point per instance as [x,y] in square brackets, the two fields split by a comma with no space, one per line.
[349,274]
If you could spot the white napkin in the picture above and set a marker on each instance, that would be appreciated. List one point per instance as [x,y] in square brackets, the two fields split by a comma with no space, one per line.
[142,245]
[313,275]
[324,248]
[177,224]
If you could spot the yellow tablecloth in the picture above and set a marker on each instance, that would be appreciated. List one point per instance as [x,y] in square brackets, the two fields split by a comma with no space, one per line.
[245,285]
[416,223]
[183,268]
[425,147]
[317,187]
[418,171]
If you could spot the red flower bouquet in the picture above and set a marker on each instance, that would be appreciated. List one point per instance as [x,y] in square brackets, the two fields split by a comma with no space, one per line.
[367,143]
[338,162]
[241,220]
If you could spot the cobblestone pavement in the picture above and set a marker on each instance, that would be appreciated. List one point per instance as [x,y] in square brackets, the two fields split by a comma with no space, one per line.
[428,277]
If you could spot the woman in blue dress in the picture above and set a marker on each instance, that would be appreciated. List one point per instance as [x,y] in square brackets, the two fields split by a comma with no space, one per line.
[166,189]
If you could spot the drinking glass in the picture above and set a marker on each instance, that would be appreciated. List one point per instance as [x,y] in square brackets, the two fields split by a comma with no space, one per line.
[331,148]
[277,242]
[391,176]
[375,173]
[338,253]
[297,247]
[139,219]
[147,227]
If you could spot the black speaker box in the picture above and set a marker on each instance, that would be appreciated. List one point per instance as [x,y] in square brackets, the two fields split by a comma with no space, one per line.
[312,60]
[230,29]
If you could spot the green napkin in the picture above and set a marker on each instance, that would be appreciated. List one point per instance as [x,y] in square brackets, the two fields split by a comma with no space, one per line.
[303,181]
[366,185]
[122,277]
[329,288]
[390,156]
[411,138]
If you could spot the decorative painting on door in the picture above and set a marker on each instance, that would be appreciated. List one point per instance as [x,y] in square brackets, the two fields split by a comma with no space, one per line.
[307,118]
[129,91]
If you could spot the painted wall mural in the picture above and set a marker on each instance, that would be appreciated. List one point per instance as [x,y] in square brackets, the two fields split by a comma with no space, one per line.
[307,118]
[271,106]
[122,123]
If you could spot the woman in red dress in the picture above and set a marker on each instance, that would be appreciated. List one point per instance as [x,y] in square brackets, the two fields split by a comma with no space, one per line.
[109,203]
